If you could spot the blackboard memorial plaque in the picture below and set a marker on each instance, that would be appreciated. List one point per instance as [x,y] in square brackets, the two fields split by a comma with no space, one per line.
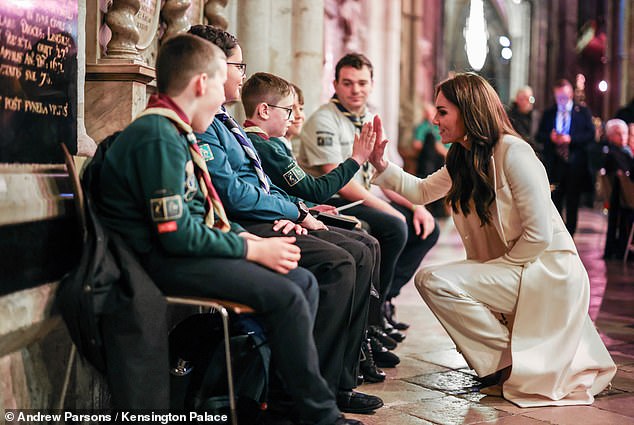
[38,80]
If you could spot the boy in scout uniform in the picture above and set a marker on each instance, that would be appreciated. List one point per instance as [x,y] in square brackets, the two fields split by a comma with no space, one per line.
[342,264]
[265,128]
[156,193]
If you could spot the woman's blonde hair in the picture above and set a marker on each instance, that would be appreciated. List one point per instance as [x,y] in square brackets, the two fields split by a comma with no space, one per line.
[485,122]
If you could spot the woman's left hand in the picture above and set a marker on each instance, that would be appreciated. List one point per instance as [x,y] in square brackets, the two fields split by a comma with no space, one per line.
[423,221]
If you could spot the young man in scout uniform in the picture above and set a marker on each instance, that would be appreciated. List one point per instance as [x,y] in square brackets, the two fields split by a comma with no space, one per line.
[406,232]
[156,193]
[342,265]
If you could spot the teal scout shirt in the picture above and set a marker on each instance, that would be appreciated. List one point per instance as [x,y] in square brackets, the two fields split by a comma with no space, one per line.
[150,195]
[282,168]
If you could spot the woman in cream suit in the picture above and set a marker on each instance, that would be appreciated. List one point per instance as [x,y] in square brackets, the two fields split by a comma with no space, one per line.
[518,305]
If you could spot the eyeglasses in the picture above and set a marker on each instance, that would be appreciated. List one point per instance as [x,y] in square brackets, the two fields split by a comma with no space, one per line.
[289,110]
[242,67]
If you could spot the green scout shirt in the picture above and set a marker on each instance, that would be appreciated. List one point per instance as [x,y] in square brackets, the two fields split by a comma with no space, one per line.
[150,194]
[282,168]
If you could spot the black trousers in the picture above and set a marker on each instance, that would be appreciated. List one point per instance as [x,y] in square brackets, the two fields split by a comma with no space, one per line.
[401,249]
[282,303]
[572,180]
[343,266]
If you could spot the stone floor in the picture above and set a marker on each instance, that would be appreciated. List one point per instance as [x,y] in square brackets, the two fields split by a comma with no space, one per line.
[433,384]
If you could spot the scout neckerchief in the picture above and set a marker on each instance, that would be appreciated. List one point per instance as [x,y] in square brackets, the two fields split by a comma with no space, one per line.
[246,144]
[357,120]
[164,106]
[293,173]
[251,127]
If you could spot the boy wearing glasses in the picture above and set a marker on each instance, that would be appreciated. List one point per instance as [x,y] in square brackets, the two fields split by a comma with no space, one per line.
[265,129]
[343,265]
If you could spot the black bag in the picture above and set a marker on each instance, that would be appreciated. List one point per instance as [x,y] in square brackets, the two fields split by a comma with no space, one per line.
[114,313]
[199,376]
[83,293]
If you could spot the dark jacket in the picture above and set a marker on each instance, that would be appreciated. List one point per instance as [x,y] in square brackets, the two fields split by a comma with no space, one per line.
[282,168]
[581,134]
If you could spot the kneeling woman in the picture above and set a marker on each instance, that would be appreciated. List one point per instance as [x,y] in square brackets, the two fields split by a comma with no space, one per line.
[519,302]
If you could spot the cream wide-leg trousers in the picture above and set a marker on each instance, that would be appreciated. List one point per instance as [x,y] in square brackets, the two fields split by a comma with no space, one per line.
[464,296]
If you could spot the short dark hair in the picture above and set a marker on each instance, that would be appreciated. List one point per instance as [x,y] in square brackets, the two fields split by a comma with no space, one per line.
[182,57]
[562,82]
[263,87]
[355,60]
[299,93]
[221,38]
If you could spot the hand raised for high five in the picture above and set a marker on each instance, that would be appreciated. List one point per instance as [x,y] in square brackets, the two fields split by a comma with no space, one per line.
[363,144]
[376,157]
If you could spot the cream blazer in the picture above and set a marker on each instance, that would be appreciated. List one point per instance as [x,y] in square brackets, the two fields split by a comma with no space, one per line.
[558,357]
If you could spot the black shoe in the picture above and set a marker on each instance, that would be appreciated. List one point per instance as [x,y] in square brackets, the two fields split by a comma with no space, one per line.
[342,420]
[391,332]
[382,356]
[371,373]
[390,316]
[386,341]
[356,402]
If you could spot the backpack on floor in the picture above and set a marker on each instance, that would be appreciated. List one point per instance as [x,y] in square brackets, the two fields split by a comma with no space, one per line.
[198,368]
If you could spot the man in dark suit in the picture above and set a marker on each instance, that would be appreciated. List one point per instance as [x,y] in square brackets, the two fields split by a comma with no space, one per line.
[566,131]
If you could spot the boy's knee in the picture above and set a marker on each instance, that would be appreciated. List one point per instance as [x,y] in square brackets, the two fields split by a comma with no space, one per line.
[307,282]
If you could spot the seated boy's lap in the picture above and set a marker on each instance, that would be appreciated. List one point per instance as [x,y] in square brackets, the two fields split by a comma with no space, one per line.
[236,280]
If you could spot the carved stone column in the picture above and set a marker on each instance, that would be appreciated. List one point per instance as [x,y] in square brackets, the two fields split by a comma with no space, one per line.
[254,30]
[174,14]
[125,35]
[308,52]
[214,13]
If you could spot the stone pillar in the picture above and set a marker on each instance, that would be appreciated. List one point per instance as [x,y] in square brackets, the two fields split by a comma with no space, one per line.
[382,43]
[307,56]
[541,48]
[519,31]
[254,29]
[281,39]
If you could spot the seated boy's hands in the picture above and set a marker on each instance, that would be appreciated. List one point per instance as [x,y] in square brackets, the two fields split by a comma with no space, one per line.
[287,226]
[278,254]
[249,236]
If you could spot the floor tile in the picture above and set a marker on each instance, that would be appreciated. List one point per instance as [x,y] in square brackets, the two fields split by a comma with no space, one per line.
[576,415]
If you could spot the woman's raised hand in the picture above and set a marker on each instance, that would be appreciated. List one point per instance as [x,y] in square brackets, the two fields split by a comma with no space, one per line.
[376,157]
